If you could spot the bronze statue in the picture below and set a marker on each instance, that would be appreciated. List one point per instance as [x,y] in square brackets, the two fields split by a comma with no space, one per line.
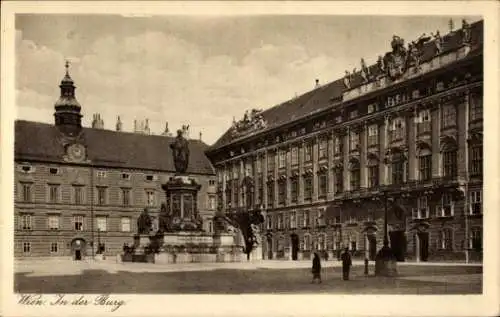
[144,222]
[180,149]
[164,219]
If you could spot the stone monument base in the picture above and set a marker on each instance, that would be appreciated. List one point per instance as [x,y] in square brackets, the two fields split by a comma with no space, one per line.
[385,263]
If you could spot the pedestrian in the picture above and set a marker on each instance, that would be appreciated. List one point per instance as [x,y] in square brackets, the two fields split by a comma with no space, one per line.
[316,268]
[346,264]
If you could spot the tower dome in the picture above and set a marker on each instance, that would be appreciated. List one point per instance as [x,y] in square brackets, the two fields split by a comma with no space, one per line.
[67,109]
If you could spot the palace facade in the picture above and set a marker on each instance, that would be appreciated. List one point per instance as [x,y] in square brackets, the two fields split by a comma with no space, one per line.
[401,138]
[80,190]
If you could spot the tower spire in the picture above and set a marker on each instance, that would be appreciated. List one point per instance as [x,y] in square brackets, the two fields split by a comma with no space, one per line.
[67,109]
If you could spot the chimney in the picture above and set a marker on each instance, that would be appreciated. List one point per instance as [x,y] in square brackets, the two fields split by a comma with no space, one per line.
[146,127]
[451,25]
[97,122]
[118,124]
[200,135]
[317,83]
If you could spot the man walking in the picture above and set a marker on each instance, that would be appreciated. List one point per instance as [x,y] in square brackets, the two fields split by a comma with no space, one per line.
[346,264]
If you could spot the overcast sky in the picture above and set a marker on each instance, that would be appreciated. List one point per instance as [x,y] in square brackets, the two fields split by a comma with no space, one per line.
[192,70]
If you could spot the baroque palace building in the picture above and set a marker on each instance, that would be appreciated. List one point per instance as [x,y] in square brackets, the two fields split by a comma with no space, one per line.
[403,135]
[78,188]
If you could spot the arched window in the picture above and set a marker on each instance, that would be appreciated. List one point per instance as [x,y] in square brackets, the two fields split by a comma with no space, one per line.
[424,162]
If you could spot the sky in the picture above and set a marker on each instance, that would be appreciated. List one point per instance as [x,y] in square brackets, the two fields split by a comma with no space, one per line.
[196,70]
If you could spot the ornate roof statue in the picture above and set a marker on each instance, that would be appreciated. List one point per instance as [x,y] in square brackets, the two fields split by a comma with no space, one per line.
[396,60]
[466,32]
[347,79]
[180,152]
[365,72]
[438,42]
[381,63]
[252,121]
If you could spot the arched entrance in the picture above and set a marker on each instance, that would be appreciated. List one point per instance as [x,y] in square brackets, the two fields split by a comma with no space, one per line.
[422,239]
[371,240]
[398,244]
[294,238]
[269,248]
[78,246]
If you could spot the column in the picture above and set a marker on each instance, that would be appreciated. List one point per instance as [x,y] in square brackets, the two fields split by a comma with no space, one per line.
[224,186]
[300,178]
[436,133]
[417,247]
[315,160]
[345,160]
[385,167]
[363,135]
[330,192]
[412,145]
[288,165]
[265,157]
[275,173]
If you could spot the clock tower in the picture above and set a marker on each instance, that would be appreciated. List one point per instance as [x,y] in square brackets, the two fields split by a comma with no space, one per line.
[67,115]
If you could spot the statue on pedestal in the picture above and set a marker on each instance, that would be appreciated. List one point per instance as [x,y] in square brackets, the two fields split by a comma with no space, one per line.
[144,223]
[180,152]
[165,220]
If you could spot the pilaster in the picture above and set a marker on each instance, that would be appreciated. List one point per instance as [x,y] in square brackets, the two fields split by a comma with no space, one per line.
[315,160]
[363,136]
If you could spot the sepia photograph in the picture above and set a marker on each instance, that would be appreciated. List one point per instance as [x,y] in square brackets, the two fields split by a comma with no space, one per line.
[246,154]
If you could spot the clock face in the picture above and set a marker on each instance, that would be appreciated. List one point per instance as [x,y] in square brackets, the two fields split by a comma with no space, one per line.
[76,152]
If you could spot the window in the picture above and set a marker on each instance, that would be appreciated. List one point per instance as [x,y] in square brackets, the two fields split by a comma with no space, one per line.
[397,129]
[323,148]
[476,163]
[424,121]
[281,192]
[53,170]
[211,202]
[321,242]
[211,182]
[476,107]
[101,195]
[125,224]
[53,222]
[235,192]
[149,177]
[150,197]
[307,220]
[126,196]
[308,187]
[372,135]
[476,240]
[476,204]
[337,145]
[125,176]
[307,242]
[270,194]
[53,193]
[282,159]
[235,171]
[449,116]
[422,210]
[353,114]
[322,184]
[321,221]
[308,152]
[210,227]
[260,192]
[26,222]
[26,168]
[78,194]
[445,208]
[446,239]
[372,108]
[295,156]
[258,164]
[339,181]
[355,177]
[53,247]
[269,222]
[101,174]
[397,172]
[293,220]
[425,170]
[450,163]
[373,175]
[26,192]
[294,182]
[101,223]
[78,223]
[280,222]
[26,247]
[353,141]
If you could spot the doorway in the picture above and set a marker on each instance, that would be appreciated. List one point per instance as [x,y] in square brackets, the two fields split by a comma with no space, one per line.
[295,246]
[78,249]
[269,249]
[372,247]
[423,238]
[398,244]
[78,255]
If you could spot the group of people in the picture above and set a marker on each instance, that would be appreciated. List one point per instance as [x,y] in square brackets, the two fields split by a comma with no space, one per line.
[346,266]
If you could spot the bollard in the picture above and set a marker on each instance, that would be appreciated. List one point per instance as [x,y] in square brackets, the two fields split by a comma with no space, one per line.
[366,266]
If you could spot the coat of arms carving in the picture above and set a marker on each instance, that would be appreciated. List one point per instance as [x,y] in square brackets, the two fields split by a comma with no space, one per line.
[396,61]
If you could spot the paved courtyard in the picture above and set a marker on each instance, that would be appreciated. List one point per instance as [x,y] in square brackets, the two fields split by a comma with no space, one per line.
[66,276]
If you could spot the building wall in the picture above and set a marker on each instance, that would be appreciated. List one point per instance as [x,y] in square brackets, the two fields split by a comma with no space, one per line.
[65,207]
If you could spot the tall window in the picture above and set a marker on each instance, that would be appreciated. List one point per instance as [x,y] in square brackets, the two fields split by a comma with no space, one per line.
[321,242]
[270,162]
[373,135]
[397,129]
[281,192]
[476,241]
[258,164]
[282,159]
[126,196]
[339,181]
[270,194]
[307,242]
[337,145]
[446,239]
[26,222]
[78,194]
[476,162]
[307,219]
[101,195]
[355,176]
[53,222]
[353,141]
[476,203]
[323,148]
[308,152]
[78,223]
[280,222]
[397,172]
[476,107]
[449,116]
[295,156]
[308,187]
[450,163]
[422,210]
[235,192]
[101,223]
[53,193]
[424,121]
[53,247]
[322,184]
[125,224]
[293,220]
[445,208]
[260,192]
[321,221]
[211,202]
[294,182]
[26,192]
[424,167]
[373,175]
[236,171]
[269,222]
[300,219]
[26,247]
[150,197]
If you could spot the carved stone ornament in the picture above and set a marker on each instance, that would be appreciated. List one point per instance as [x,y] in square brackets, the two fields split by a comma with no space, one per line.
[396,61]
[252,121]
[76,152]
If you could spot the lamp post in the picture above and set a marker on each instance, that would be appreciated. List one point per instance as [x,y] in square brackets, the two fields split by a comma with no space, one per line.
[385,261]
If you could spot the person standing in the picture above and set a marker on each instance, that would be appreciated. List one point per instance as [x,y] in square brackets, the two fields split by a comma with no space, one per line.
[346,264]
[316,268]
